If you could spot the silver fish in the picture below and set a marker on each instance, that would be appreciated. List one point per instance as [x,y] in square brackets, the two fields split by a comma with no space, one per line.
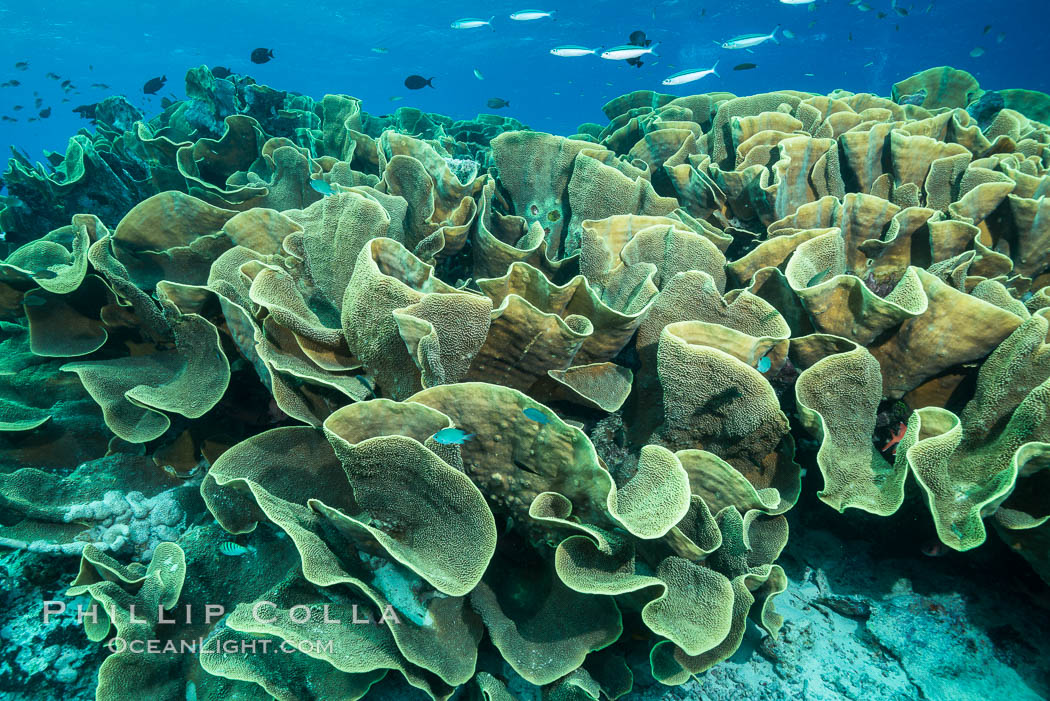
[527,15]
[691,74]
[571,50]
[472,23]
[622,53]
[746,41]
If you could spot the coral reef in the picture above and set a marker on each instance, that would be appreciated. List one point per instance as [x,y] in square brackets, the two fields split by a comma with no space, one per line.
[521,408]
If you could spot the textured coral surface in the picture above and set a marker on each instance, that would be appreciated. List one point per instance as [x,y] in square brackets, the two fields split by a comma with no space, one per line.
[532,407]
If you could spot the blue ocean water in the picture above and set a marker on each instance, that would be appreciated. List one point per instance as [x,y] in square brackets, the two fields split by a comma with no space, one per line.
[367,49]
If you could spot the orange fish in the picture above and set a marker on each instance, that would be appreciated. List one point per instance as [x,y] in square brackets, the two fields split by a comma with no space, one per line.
[895,438]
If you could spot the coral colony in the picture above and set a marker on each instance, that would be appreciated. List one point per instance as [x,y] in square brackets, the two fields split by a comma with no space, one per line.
[529,398]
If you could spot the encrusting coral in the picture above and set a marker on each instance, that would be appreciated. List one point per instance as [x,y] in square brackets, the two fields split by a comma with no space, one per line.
[511,393]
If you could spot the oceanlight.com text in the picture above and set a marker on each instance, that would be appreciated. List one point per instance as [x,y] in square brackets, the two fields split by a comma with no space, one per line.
[203,646]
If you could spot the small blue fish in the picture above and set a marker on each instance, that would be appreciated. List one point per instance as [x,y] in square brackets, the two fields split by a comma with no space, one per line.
[536,415]
[234,549]
[452,436]
[816,278]
[322,187]
[764,364]
[34,301]
[368,385]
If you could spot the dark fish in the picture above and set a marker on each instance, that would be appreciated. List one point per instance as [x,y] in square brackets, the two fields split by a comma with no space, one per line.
[86,111]
[153,85]
[66,83]
[65,99]
[45,113]
[52,76]
[882,15]
[985,110]
[851,36]
[32,119]
[745,66]
[417,82]
[17,108]
[261,55]
[914,99]
[100,86]
[166,102]
[5,118]
[22,65]
[45,274]
[221,72]
[10,84]
[845,605]
[901,11]
[637,38]
[987,28]
[37,102]
[497,103]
